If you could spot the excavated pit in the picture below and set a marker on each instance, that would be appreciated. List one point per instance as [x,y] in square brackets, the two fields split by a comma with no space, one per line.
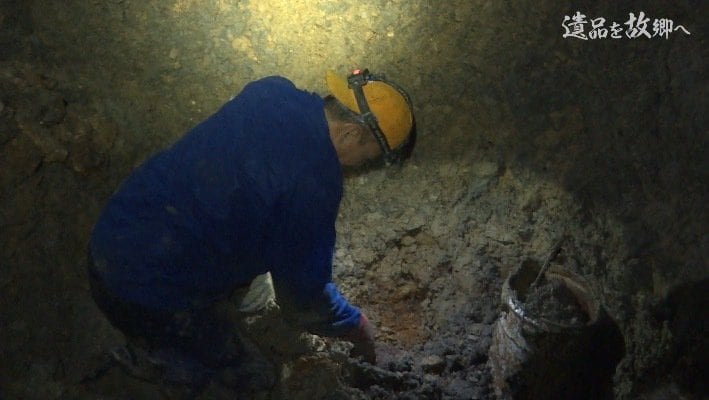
[523,137]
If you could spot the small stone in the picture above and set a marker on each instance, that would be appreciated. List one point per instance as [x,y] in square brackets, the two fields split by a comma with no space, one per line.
[433,364]
[407,241]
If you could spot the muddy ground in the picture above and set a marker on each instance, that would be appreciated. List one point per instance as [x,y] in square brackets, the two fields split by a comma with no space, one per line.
[524,137]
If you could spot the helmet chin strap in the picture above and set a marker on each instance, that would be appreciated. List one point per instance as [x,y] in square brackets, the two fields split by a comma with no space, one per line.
[356,81]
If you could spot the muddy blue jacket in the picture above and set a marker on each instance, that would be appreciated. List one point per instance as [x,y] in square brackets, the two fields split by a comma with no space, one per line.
[254,188]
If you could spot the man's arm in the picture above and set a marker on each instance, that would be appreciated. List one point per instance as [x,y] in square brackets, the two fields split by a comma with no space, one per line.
[301,266]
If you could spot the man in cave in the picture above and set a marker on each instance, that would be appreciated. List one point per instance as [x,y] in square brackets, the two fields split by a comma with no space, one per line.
[254,188]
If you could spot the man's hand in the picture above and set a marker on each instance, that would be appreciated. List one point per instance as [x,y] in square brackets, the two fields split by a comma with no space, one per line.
[363,339]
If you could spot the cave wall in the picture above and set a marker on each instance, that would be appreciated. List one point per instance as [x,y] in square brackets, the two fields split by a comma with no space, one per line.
[619,125]
[90,89]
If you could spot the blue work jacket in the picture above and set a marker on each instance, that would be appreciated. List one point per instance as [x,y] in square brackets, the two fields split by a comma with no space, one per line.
[253,188]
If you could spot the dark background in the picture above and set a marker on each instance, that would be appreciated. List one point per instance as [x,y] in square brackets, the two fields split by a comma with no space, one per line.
[522,135]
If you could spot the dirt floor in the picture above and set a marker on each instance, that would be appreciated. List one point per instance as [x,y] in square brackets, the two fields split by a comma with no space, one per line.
[532,150]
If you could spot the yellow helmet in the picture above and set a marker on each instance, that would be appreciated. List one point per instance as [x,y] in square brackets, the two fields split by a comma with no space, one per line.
[381,104]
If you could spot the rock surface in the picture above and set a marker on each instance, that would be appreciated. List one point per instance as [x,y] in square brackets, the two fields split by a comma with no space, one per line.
[522,135]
